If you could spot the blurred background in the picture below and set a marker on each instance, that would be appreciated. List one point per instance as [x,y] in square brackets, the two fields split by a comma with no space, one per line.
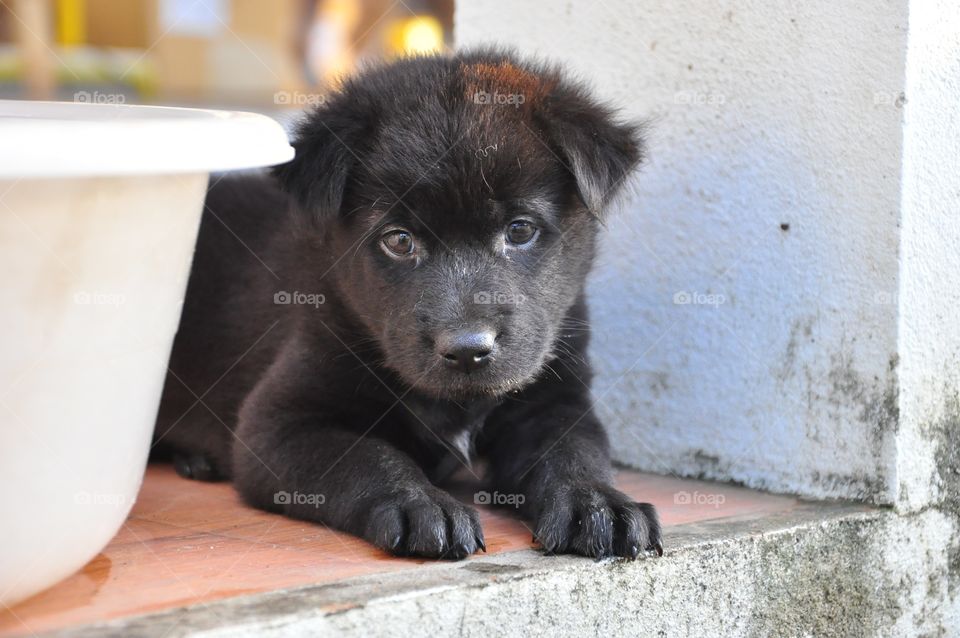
[254,54]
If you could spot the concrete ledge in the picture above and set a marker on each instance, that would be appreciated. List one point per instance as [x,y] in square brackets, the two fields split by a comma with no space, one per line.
[819,569]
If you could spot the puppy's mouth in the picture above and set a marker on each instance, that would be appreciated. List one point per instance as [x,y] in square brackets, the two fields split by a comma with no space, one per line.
[468,365]
[467,389]
[497,378]
[459,386]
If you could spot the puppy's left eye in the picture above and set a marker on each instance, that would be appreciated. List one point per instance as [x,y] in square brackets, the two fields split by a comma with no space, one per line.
[521,232]
[398,243]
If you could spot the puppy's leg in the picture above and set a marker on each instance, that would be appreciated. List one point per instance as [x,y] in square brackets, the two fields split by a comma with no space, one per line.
[195,441]
[359,485]
[556,454]
[290,456]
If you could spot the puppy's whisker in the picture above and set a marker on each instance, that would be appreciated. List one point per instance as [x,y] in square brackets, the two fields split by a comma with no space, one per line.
[484,178]
[570,351]
[556,374]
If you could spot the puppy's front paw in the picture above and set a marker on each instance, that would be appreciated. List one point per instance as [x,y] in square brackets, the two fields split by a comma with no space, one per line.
[431,524]
[195,466]
[597,521]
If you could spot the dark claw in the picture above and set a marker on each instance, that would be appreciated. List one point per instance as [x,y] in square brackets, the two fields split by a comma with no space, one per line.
[481,544]
[599,522]
[429,525]
[455,553]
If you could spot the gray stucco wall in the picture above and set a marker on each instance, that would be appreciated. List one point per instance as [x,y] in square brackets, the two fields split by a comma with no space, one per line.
[747,306]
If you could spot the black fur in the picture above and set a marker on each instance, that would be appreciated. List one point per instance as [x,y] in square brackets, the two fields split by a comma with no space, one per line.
[351,401]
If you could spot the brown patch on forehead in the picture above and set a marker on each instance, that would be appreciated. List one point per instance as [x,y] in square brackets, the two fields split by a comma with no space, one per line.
[503,84]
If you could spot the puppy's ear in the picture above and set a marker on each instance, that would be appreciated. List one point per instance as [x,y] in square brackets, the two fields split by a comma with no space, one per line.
[599,150]
[327,144]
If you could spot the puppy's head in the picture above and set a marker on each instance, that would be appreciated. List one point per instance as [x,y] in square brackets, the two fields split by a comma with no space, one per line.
[459,198]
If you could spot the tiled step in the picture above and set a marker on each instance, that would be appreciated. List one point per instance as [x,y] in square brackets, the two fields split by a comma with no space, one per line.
[191,558]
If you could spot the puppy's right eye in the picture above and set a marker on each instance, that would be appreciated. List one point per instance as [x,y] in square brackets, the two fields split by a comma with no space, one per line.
[521,232]
[398,243]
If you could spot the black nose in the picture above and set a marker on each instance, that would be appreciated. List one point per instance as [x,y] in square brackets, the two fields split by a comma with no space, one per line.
[466,351]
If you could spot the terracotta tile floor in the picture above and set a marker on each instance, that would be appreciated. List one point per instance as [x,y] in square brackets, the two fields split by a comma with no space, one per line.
[188,542]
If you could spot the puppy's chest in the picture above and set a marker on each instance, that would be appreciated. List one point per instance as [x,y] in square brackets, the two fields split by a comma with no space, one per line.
[445,432]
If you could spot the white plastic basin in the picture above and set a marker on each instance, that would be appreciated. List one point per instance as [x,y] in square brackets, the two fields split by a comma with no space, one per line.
[99,210]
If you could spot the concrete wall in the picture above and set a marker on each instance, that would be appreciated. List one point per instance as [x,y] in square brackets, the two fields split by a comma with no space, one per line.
[746,306]
[928,441]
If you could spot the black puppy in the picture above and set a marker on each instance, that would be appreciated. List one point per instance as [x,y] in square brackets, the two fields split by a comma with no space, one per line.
[403,297]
